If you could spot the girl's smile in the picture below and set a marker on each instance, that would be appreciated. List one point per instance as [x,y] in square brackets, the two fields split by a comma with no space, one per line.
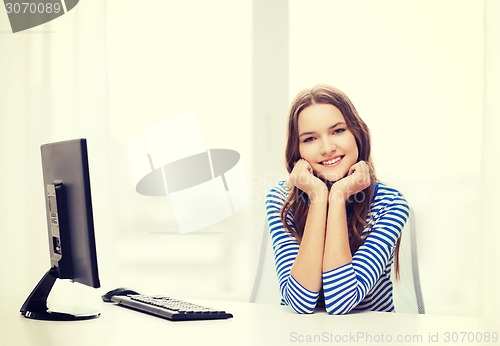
[331,162]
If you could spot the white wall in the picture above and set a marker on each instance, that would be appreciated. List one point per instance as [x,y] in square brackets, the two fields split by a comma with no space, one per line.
[414,70]
[490,186]
[184,56]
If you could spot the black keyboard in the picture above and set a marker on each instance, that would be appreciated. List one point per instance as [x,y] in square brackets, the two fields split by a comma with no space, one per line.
[169,308]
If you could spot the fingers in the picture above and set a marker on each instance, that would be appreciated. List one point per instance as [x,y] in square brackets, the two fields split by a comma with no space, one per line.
[362,172]
[361,166]
[358,178]
[300,169]
[352,170]
[302,162]
[303,178]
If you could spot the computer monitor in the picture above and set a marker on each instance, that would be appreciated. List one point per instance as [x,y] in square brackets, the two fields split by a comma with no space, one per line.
[70,224]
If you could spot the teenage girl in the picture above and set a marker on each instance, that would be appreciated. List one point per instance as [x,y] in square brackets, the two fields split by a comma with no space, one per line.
[335,229]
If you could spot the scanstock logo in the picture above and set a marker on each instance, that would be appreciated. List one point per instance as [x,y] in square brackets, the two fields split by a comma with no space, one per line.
[26,14]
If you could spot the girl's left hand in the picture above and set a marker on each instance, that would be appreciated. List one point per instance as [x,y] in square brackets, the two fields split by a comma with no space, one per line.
[357,179]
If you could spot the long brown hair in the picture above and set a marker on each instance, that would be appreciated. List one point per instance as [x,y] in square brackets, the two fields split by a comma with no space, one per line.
[358,205]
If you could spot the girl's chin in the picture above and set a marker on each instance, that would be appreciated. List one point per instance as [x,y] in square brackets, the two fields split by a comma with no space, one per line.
[330,174]
[332,178]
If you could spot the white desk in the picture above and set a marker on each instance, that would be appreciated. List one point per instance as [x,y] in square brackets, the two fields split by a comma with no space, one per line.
[253,324]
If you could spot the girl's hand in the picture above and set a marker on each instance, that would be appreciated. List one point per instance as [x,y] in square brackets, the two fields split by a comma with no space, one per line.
[303,178]
[357,179]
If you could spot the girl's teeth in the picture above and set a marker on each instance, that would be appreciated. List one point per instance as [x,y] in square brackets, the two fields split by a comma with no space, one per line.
[331,161]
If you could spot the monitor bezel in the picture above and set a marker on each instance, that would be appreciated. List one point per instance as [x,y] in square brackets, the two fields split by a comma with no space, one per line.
[66,163]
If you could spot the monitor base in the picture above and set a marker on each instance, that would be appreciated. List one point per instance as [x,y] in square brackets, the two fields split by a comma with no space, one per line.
[35,307]
[57,316]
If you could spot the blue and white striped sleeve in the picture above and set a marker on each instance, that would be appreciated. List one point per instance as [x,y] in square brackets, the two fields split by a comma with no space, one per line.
[286,248]
[346,286]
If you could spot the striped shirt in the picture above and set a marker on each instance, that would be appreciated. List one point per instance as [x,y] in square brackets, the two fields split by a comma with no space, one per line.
[362,284]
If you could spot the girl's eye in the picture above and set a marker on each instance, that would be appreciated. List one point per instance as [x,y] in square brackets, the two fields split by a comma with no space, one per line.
[338,131]
[309,139]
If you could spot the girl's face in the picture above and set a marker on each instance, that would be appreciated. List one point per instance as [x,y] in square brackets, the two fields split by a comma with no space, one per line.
[326,142]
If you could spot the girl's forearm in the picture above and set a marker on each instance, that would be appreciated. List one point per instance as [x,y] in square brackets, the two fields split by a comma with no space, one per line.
[307,268]
[337,250]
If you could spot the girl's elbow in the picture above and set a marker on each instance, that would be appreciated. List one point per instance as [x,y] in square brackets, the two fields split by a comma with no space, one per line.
[303,312]
[301,309]
[300,305]
[344,311]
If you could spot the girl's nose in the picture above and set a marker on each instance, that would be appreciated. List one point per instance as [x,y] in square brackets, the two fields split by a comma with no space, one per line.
[327,146]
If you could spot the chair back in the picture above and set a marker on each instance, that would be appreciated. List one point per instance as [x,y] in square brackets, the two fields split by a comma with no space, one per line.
[407,291]
[266,286]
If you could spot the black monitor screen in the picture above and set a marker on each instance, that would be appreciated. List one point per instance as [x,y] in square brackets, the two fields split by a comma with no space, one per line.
[65,166]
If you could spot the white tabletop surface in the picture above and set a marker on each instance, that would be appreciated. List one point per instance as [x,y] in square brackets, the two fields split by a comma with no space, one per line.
[253,324]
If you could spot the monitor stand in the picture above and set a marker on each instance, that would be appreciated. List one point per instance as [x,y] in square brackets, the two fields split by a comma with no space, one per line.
[35,307]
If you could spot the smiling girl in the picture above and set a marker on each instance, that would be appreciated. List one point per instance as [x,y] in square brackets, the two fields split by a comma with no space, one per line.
[335,229]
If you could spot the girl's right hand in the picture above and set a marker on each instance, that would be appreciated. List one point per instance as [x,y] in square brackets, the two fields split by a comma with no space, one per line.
[303,178]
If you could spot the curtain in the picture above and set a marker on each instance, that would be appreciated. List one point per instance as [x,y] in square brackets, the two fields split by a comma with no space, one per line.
[490,302]
[53,87]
